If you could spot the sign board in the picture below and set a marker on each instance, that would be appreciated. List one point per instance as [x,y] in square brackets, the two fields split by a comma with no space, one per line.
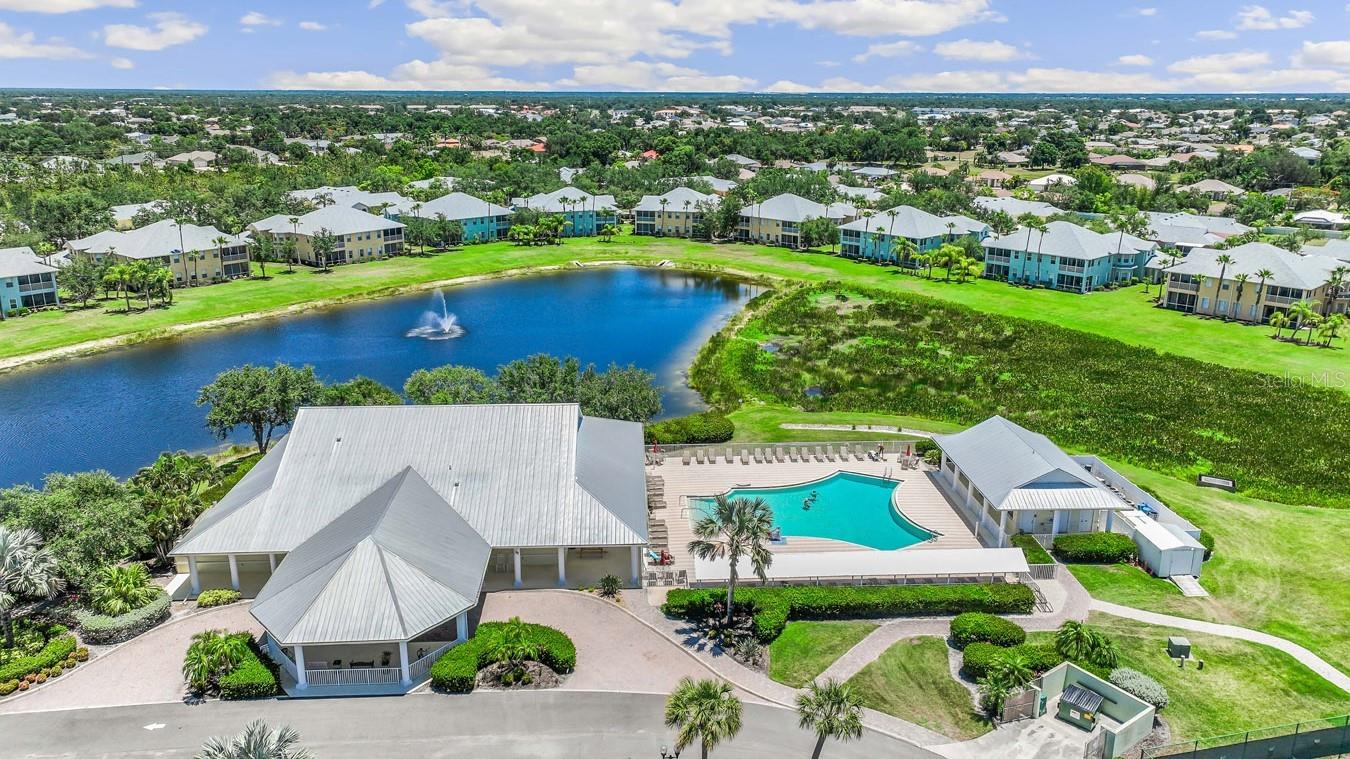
[1210,481]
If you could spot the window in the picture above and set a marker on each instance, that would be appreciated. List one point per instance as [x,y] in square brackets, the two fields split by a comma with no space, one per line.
[1204,302]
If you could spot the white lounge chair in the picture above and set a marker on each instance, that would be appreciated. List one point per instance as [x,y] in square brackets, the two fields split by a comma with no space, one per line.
[820,454]
[728,456]
[858,451]
[759,456]
[745,457]
[684,457]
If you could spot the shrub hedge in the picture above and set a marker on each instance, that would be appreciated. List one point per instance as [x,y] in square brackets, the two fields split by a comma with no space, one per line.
[8,687]
[771,608]
[1095,548]
[977,626]
[1207,541]
[1031,549]
[1141,686]
[59,647]
[100,629]
[217,597]
[254,677]
[704,427]
[457,669]
[979,657]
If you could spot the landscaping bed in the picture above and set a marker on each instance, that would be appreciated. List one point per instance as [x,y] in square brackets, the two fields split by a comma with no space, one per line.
[41,652]
[102,630]
[458,670]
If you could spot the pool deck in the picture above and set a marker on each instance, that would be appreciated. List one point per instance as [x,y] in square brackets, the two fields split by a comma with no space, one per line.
[920,499]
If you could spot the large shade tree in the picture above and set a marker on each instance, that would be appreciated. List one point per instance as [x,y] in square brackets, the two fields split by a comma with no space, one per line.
[260,398]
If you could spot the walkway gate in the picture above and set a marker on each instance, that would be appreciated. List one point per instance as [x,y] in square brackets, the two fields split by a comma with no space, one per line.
[1096,746]
[1020,706]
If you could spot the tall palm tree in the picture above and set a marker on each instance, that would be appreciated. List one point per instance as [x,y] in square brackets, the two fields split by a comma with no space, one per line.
[660,228]
[867,225]
[1073,639]
[1241,280]
[1263,274]
[1335,284]
[1032,222]
[1279,320]
[26,570]
[705,711]
[736,528]
[220,243]
[295,241]
[831,710]
[688,224]
[257,742]
[1223,259]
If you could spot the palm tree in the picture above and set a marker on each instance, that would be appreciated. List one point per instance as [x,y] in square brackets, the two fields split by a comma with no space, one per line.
[608,232]
[688,224]
[1279,320]
[211,654]
[118,277]
[867,224]
[1102,651]
[1241,280]
[1164,262]
[121,589]
[295,244]
[907,249]
[705,711]
[1334,286]
[1073,639]
[736,528]
[26,570]
[1264,274]
[1223,259]
[660,230]
[831,710]
[1303,313]
[142,274]
[1331,328]
[515,647]
[1033,223]
[257,742]
[220,243]
[948,256]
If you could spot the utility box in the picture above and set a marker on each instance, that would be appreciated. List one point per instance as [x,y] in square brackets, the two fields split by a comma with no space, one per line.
[1178,647]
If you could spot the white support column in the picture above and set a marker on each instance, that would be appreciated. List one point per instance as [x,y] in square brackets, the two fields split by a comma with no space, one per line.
[403,664]
[1002,529]
[462,627]
[515,557]
[1110,519]
[636,564]
[1054,524]
[234,572]
[193,577]
[562,565]
[300,680]
[271,562]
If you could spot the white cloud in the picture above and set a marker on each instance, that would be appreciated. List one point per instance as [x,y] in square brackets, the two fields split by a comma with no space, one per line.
[950,81]
[1145,11]
[62,6]
[170,29]
[312,26]
[17,44]
[122,63]
[373,4]
[1220,62]
[1258,17]
[1334,53]
[978,50]
[887,50]
[643,75]
[254,18]
[1134,60]
[1215,34]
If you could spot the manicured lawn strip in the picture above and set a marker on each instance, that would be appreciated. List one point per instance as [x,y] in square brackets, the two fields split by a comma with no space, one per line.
[1032,550]
[1243,686]
[1124,584]
[911,680]
[1127,315]
[763,424]
[805,649]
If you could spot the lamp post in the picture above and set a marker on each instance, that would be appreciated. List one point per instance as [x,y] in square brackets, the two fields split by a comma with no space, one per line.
[666,754]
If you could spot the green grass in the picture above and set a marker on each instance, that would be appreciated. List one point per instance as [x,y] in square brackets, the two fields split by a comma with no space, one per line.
[1032,550]
[763,424]
[911,680]
[1124,584]
[1127,315]
[805,649]
[1243,686]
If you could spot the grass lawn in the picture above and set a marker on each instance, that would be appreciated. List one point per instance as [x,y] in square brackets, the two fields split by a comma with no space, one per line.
[1127,315]
[1032,550]
[1242,687]
[763,424]
[805,649]
[912,681]
[1124,584]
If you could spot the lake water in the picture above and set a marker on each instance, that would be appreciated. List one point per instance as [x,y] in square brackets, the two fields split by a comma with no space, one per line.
[120,409]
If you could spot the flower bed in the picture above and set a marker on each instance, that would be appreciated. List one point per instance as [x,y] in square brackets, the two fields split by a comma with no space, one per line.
[100,629]
[57,653]
[457,669]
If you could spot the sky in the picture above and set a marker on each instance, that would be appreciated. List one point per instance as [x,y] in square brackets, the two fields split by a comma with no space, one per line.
[680,45]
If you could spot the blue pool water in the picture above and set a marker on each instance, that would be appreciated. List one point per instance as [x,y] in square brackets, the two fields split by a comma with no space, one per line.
[854,508]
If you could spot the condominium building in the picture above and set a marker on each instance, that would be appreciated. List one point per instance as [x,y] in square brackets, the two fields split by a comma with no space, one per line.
[1066,257]
[481,219]
[587,213]
[1233,287]
[877,236]
[358,235]
[678,212]
[777,221]
[195,254]
[25,281]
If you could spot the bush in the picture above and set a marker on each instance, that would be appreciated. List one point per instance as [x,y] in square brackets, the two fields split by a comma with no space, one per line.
[977,626]
[216,597]
[1140,685]
[254,677]
[979,657]
[121,589]
[1031,549]
[1207,541]
[610,586]
[923,445]
[59,646]
[771,608]
[8,687]
[1095,548]
[457,669]
[705,427]
[99,629]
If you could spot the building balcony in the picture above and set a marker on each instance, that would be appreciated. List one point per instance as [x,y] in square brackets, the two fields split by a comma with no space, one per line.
[1281,300]
[1183,287]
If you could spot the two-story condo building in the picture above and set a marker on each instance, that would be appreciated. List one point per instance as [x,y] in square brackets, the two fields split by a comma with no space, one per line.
[358,236]
[678,212]
[876,237]
[482,220]
[587,213]
[25,282]
[1201,283]
[390,205]
[777,221]
[1015,207]
[1066,257]
[195,254]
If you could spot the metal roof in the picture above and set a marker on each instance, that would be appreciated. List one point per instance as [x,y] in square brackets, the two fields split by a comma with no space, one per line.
[396,564]
[18,262]
[551,202]
[523,475]
[1288,269]
[789,207]
[459,205]
[157,240]
[1077,695]
[1069,240]
[1001,457]
[675,199]
[337,219]
[1015,207]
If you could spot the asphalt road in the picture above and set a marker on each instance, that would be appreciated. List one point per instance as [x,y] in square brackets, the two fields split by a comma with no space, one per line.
[486,724]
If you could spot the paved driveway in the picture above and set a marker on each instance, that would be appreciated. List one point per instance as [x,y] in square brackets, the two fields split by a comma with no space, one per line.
[145,670]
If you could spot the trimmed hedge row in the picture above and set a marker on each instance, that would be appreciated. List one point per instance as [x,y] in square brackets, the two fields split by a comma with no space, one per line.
[979,657]
[60,646]
[979,627]
[457,669]
[254,677]
[217,597]
[704,427]
[1095,548]
[100,629]
[771,608]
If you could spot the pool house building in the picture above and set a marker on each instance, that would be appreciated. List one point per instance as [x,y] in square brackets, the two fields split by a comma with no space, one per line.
[1066,257]
[367,535]
[877,237]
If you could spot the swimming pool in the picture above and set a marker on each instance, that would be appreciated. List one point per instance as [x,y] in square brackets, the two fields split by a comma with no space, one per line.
[854,508]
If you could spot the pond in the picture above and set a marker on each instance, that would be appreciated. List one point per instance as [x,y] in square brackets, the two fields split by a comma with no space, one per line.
[120,409]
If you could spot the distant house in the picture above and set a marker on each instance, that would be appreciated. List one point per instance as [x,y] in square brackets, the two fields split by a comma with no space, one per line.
[359,236]
[124,215]
[1220,227]
[1142,181]
[587,213]
[1214,189]
[1041,184]
[1015,207]
[388,204]
[133,159]
[873,174]
[1066,257]
[195,254]
[263,157]
[991,178]
[743,161]
[200,160]
[481,220]
[876,238]
[866,194]
[1118,162]
[1323,218]
[678,212]
[719,186]
[25,281]
[777,221]
[1009,158]
[439,183]
[1202,284]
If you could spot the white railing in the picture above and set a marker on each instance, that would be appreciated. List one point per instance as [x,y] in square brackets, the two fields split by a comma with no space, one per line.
[281,658]
[359,676]
[1184,287]
[421,667]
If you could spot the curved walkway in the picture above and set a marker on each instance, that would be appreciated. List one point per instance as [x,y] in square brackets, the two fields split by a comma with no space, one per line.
[1304,656]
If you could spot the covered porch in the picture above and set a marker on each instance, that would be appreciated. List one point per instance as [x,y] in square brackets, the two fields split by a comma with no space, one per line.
[576,567]
[246,573]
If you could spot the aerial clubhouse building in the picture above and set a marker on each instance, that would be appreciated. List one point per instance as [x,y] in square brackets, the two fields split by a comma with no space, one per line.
[367,534]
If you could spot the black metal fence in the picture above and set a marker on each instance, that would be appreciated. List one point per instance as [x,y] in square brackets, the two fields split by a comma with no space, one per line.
[1301,740]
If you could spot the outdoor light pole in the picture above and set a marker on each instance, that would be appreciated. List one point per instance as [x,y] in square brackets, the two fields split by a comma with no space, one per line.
[669,754]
